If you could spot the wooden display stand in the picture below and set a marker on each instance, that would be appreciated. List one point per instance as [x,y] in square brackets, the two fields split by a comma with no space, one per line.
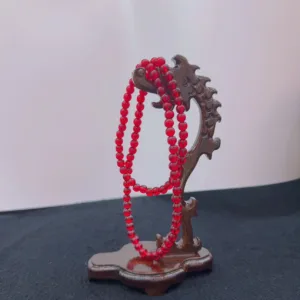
[187,255]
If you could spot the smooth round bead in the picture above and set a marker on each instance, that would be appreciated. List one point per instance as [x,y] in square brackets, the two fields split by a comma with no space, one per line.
[181,117]
[180,109]
[169,114]
[182,143]
[144,63]
[182,126]
[138,114]
[161,91]
[183,135]
[130,89]
[123,120]
[119,142]
[164,69]
[140,98]
[127,98]
[173,149]
[170,131]
[172,140]
[140,107]
[157,82]
[136,129]
[160,61]
[169,123]
[137,122]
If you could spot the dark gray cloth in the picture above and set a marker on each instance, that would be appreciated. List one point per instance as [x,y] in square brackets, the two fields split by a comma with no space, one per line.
[253,234]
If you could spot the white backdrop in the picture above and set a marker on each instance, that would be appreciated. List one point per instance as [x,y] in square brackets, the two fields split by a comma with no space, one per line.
[63,69]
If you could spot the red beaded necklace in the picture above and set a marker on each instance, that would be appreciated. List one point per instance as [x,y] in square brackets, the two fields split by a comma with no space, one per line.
[178,151]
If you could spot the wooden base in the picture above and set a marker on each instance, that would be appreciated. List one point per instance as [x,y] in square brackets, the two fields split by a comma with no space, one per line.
[153,277]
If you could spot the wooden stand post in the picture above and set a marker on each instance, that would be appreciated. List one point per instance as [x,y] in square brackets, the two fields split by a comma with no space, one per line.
[187,255]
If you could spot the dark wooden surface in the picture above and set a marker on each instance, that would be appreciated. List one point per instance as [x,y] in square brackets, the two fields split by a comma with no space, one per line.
[154,277]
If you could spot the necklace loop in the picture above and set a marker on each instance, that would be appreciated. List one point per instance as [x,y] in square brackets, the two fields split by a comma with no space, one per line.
[157,72]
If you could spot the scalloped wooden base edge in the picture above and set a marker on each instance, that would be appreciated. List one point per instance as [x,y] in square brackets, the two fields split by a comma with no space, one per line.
[155,278]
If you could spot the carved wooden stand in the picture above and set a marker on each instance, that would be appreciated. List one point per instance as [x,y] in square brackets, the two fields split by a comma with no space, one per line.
[187,255]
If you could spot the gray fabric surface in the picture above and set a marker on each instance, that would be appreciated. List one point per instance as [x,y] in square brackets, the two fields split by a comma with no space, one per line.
[253,233]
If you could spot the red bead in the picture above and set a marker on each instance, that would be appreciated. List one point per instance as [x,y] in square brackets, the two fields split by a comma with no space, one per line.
[129,221]
[161,91]
[128,164]
[119,149]
[125,105]
[130,89]
[169,123]
[164,69]
[173,158]
[135,136]
[134,143]
[143,189]
[167,106]
[138,247]
[127,98]
[165,98]
[170,131]
[144,253]
[182,126]
[169,76]
[182,143]
[149,192]
[176,93]
[127,191]
[144,63]
[154,74]
[136,129]
[173,166]
[130,157]
[175,175]
[150,67]
[143,93]
[137,122]
[182,152]
[119,142]
[120,163]
[183,135]
[160,61]
[130,227]
[124,112]
[138,66]
[177,191]
[119,156]
[175,230]
[140,106]
[180,109]
[131,83]
[168,243]
[169,114]
[154,60]
[172,85]
[120,134]
[122,127]
[176,182]
[138,114]
[126,177]
[181,117]
[123,120]
[131,234]
[173,149]
[176,199]
[132,150]
[135,240]
[126,198]
[155,191]
[178,100]
[131,182]
[136,188]
[126,212]
[157,82]
[127,205]
[172,140]
[140,98]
